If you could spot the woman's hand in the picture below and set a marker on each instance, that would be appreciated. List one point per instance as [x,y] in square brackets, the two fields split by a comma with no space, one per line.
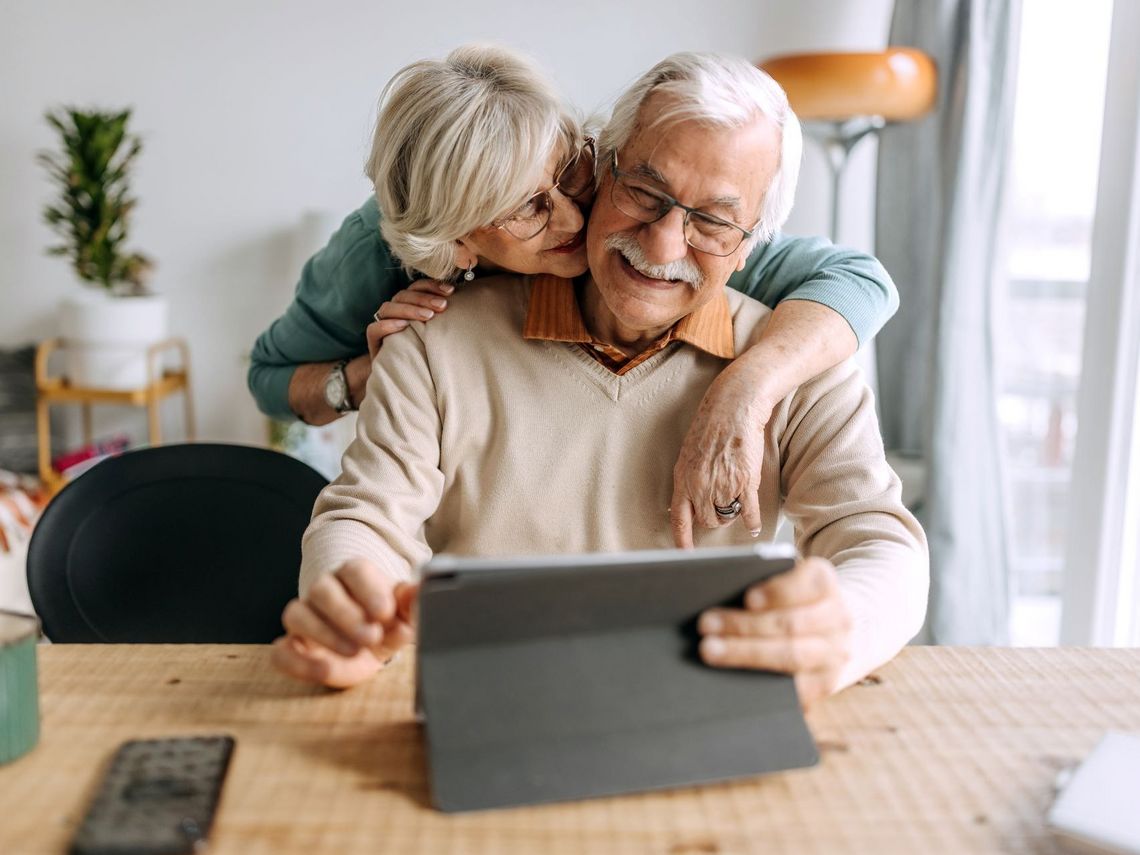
[420,301]
[722,453]
[721,456]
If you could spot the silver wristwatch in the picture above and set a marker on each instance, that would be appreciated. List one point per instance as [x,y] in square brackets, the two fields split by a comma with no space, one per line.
[337,394]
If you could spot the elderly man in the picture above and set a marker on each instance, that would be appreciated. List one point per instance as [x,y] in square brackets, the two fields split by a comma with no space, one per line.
[545,416]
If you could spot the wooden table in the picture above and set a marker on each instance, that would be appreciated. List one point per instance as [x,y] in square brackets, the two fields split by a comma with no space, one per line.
[944,750]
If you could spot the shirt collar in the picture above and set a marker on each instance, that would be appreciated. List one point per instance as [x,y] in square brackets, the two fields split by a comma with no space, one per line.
[554,315]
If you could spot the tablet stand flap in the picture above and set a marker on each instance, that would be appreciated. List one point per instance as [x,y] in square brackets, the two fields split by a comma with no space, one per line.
[565,718]
[560,684]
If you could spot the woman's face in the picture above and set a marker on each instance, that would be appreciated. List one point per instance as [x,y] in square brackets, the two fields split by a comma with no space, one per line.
[560,247]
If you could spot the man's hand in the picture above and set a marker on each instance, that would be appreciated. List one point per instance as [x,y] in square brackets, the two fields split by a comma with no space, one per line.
[796,623]
[420,301]
[347,627]
[720,458]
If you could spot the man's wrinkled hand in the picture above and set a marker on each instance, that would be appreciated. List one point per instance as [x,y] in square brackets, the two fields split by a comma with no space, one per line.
[349,624]
[795,623]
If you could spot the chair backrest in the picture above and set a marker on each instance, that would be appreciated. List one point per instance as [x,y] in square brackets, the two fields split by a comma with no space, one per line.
[196,543]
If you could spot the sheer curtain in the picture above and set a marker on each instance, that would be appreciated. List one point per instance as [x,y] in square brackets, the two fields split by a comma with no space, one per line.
[1101,597]
[938,204]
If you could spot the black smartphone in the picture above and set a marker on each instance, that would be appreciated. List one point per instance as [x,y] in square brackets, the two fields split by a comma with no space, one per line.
[158,797]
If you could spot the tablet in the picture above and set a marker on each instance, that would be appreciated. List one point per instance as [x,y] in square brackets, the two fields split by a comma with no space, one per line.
[1095,811]
[563,677]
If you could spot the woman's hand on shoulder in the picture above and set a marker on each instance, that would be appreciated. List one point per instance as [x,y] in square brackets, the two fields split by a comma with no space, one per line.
[720,459]
[420,301]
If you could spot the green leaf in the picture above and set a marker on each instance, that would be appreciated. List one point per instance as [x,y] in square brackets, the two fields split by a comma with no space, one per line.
[90,169]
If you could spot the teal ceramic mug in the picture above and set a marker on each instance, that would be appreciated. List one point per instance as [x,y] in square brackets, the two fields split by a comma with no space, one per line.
[19,695]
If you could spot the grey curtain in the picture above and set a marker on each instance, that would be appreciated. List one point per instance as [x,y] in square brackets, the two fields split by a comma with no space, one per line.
[938,206]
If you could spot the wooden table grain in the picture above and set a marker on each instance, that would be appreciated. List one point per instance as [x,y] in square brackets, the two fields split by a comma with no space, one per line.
[943,750]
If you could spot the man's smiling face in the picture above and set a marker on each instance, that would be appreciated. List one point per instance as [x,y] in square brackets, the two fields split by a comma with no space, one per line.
[647,274]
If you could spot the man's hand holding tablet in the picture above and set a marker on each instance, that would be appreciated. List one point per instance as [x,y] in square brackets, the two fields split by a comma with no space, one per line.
[794,623]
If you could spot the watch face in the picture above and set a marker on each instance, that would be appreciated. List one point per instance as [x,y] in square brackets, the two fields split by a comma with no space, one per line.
[335,390]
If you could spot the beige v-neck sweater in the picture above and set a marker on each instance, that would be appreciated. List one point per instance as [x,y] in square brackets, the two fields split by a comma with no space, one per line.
[475,441]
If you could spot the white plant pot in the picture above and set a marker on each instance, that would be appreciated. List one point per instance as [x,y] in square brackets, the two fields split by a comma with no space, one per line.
[107,337]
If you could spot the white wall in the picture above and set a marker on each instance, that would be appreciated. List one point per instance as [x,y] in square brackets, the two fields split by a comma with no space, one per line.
[255,112]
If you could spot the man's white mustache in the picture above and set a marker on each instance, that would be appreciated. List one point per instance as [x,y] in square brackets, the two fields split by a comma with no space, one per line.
[683,269]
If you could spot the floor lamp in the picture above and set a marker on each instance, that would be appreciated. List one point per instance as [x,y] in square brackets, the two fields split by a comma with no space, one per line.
[840,99]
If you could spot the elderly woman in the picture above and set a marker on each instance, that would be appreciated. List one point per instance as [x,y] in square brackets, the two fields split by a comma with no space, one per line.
[510,184]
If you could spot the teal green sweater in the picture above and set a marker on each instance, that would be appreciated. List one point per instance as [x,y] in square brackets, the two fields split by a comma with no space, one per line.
[345,283]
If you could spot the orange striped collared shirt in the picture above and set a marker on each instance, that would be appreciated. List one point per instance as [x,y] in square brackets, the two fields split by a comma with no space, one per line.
[554,315]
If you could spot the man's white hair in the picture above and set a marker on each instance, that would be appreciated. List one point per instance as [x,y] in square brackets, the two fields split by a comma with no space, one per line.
[722,91]
[457,144]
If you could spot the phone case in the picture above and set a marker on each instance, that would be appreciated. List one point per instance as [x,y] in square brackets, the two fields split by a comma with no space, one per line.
[158,797]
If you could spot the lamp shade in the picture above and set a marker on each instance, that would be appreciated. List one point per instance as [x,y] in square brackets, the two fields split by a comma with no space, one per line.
[899,84]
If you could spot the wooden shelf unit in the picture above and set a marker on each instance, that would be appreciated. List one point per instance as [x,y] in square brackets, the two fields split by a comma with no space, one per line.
[57,389]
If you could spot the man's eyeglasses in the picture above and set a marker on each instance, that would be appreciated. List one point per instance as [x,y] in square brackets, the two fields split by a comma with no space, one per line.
[573,180]
[705,232]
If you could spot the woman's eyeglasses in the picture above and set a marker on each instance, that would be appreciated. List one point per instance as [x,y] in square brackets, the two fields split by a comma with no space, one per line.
[573,180]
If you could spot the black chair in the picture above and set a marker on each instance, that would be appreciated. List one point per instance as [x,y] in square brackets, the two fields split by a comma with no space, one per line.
[196,543]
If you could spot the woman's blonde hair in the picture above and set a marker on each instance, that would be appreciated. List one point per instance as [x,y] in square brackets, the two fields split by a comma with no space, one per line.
[457,144]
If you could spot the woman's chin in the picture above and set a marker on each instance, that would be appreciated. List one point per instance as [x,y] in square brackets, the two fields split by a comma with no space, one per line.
[565,265]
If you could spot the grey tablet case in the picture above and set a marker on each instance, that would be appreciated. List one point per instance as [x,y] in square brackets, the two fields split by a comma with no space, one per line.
[557,678]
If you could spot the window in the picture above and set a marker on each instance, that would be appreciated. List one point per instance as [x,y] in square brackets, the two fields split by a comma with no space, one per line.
[1042,277]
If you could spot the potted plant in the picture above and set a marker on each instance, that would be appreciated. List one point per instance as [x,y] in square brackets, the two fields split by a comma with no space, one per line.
[109,327]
